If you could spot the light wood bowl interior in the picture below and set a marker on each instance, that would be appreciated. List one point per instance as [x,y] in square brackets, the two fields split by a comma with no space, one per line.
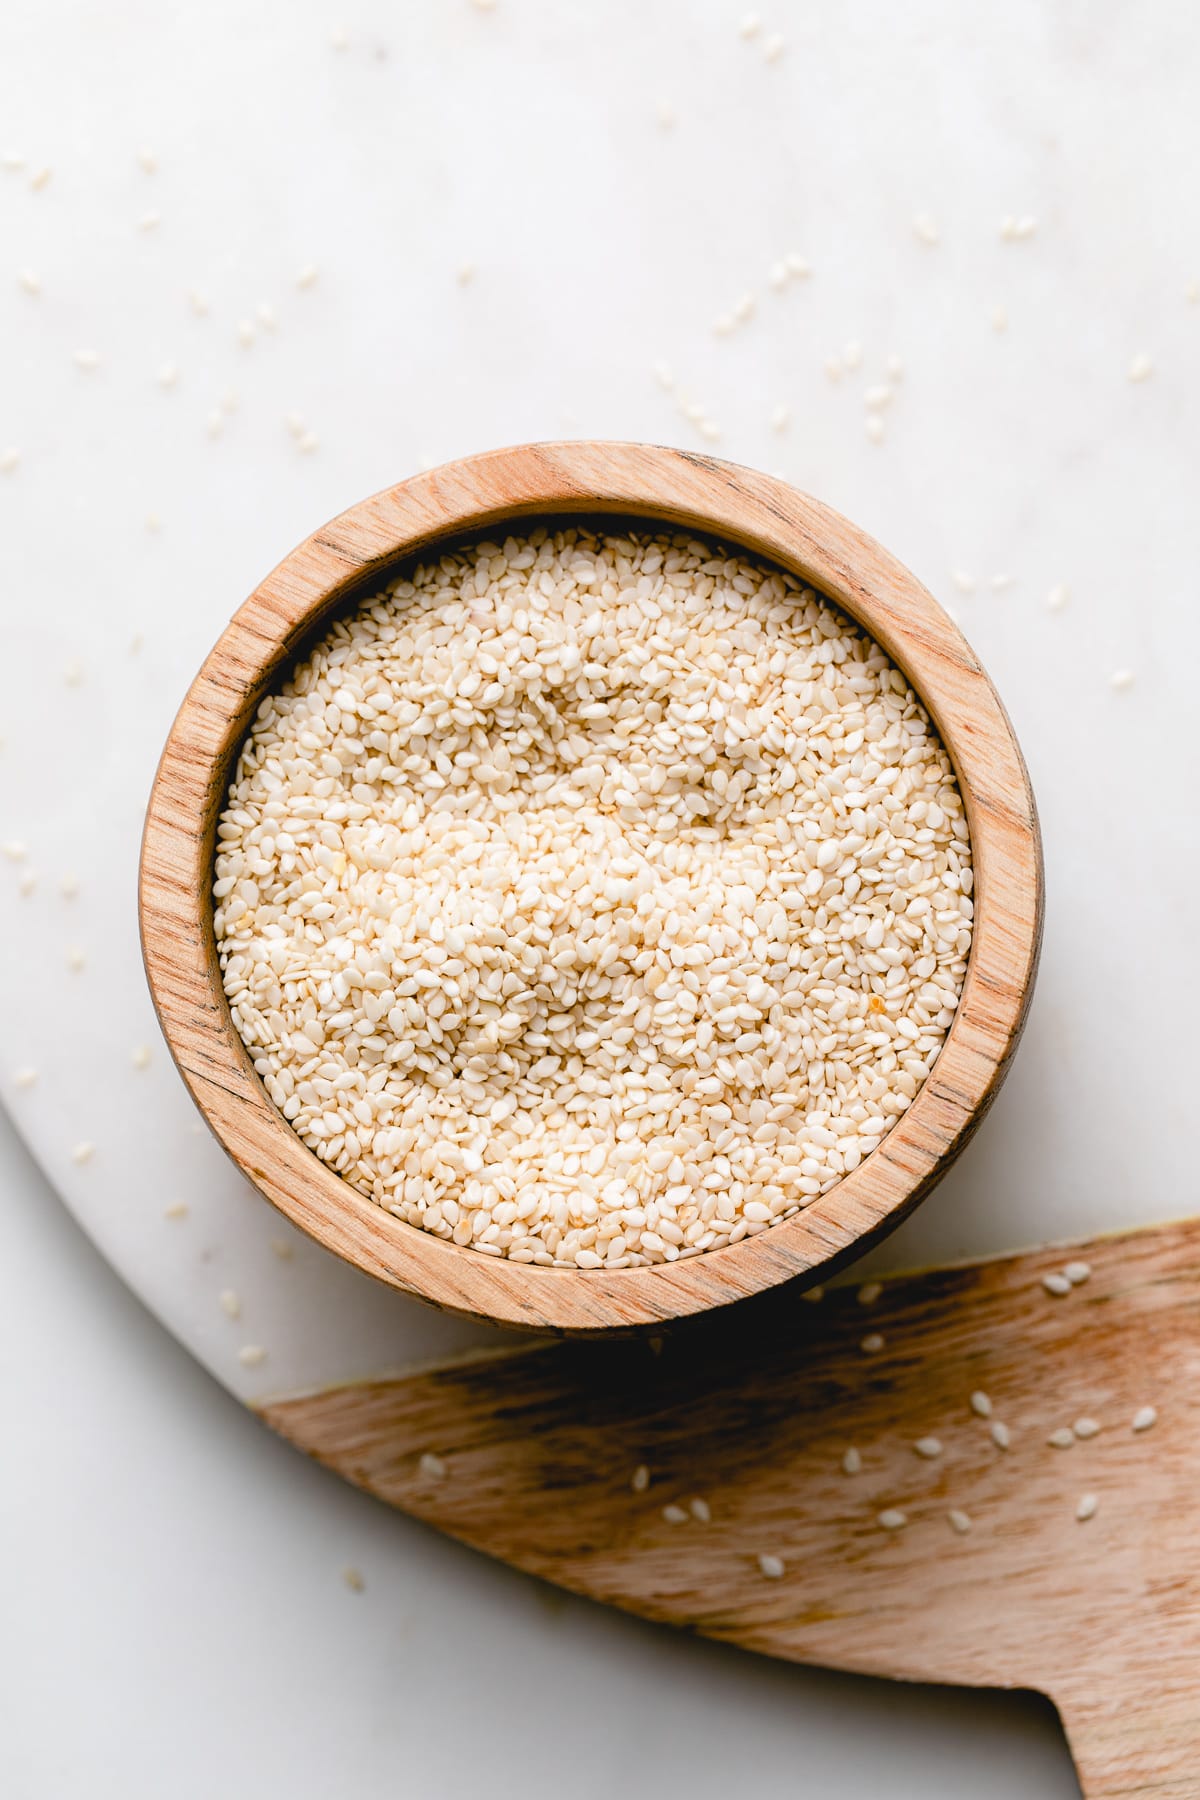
[352,556]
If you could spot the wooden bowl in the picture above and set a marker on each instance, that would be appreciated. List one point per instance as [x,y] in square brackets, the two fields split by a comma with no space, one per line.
[354,555]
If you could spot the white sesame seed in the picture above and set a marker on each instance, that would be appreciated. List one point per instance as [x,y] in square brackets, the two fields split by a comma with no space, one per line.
[76,960]
[178,1209]
[339,38]
[353,1579]
[250,1355]
[1077,1272]
[781,418]
[27,884]
[1086,1428]
[199,303]
[136,643]
[872,1343]
[147,161]
[1001,583]
[925,229]
[875,428]
[813,1296]
[465,274]
[1121,680]
[10,460]
[40,179]
[245,332]
[1061,1439]
[1015,229]
[959,1521]
[895,367]
[68,887]
[771,1566]
[892,1519]
[852,355]
[869,1293]
[150,221]
[852,1462]
[24,1078]
[87,360]
[1058,596]
[15,849]
[230,1303]
[29,280]
[1001,1436]
[833,367]
[283,1249]
[639,1481]
[1144,1418]
[700,1510]
[964,582]
[797,266]
[928,1447]
[214,424]
[1058,1285]
[999,318]
[483,5]
[307,442]
[168,375]
[229,400]
[666,115]
[83,1152]
[307,276]
[1141,367]
[431,1467]
[1191,293]
[749,25]
[774,47]
[267,317]
[674,1515]
[12,160]
[1087,1508]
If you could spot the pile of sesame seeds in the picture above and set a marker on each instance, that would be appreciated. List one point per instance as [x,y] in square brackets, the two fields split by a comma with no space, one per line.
[594,901]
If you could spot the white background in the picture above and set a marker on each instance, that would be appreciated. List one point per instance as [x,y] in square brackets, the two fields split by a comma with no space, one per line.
[173,1619]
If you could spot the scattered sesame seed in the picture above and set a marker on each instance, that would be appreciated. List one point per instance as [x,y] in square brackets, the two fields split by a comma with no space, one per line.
[150,221]
[833,367]
[813,1296]
[1144,1418]
[878,396]
[774,47]
[999,317]
[771,1566]
[964,582]
[178,1209]
[1087,1508]
[307,442]
[1077,1272]
[268,318]
[872,1343]
[852,355]
[777,276]
[215,422]
[1121,680]
[199,302]
[959,1521]
[24,1078]
[797,266]
[666,115]
[1141,367]
[639,1481]
[1014,230]
[928,1447]
[10,461]
[875,428]
[925,229]
[250,1355]
[483,5]
[700,1510]
[749,25]
[674,1515]
[136,643]
[29,280]
[283,1248]
[664,377]
[87,360]
[1000,583]
[1058,1285]
[852,1462]
[1058,596]
[710,431]
[83,1152]
[895,367]
[465,274]
[981,1406]
[431,1467]
[1086,1428]
[353,1579]
[68,887]
[781,418]
[1062,1439]
[168,375]
[245,333]
[230,400]
[307,276]
[1001,1436]
[230,1303]
[892,1519]
[1191,293]
[869,1293]
[27,884]
[339,38]
[148,161]
[12,160]
[16,850]
[76,960]
[40,179]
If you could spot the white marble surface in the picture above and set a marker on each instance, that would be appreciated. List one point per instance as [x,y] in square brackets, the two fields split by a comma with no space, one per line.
[526,141]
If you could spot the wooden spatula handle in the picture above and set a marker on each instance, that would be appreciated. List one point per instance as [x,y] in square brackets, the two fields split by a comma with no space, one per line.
[988,1576]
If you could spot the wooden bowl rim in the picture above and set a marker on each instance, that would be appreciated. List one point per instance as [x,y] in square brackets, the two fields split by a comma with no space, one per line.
[677,488]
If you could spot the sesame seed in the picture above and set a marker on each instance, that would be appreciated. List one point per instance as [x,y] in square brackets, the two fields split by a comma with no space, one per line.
[150,221]
[267,317]
[700,1510]
[852,1462]
[1001,583]
[339,38]
[892,1519]
[29,280]
[1062,1439]
[771,1566]
[1001,1436]
[928,1447]
[353,1579]
[875,428]
[1086,1428]
[666,115]
[431,1467]
[68,887]
[1087,1507]
[1077,1272]
[1140,367]
[76,960]
[40,179]
[749,25]
[852,355]
[1121,680]
[964,582]
[895,367]
[168,375]
[674,1515]
[959,1521]
[199,303]
[833,367]
[869,1293]
[283,1248]
[999,318]
[878,396]
[781,418]
[925,229]
[307,442]
[465,274]
[1058,596]
[15,849]
[229,400]
[24,1078]
[250,1355]
[1144,1418]
[797,266]
[10,460]
[981,1406]
[872,1343]
[813,1296]
[12,160]
[1191,293]
[774,47]
[1058,1285]
[215,423]
[245,332]
[83,1152]
[639,1481]
[230,1303]
[27,884]
[147,161]
[307,276]
[87,360]
[1014,230]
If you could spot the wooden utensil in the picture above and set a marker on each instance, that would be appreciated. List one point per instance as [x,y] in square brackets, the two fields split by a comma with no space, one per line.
[531,1456]
[352,556]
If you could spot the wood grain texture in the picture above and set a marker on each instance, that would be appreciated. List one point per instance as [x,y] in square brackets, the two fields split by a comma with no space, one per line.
[753,1414]
[351,556]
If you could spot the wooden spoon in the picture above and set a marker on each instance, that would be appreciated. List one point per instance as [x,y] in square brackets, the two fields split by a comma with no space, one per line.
[531,1456]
